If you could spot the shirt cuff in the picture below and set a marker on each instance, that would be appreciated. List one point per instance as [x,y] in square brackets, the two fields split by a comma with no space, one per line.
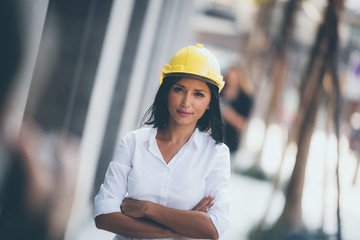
[106,206]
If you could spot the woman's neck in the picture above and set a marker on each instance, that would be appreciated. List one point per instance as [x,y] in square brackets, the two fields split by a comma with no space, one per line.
[175,133]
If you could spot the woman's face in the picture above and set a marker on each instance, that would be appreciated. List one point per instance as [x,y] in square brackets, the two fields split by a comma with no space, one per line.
[188,100]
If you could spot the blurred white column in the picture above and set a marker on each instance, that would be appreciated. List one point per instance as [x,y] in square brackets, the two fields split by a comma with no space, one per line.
[167,27]
[142,61]
[32,18]
[96,119]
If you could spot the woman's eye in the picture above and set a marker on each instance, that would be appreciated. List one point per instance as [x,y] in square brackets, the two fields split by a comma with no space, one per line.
[178,89]
[199,94]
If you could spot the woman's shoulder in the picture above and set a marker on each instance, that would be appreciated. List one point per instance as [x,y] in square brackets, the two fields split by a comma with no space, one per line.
[222,147]
[141,133]
[210,142]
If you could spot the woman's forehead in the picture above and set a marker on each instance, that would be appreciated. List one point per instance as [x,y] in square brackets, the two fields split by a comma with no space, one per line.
[193,83]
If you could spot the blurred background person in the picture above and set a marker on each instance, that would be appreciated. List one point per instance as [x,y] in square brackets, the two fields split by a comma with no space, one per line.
[237,102]
[17,220]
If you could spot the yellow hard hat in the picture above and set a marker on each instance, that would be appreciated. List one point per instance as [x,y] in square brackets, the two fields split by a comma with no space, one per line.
[194,62]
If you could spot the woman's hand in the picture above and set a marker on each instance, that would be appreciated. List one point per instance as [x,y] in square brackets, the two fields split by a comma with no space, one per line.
[134,208]
[205,204]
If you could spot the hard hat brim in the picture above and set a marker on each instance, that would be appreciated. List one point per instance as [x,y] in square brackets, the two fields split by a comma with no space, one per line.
[193,76]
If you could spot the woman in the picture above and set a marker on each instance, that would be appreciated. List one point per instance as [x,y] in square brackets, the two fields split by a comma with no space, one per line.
[172,180]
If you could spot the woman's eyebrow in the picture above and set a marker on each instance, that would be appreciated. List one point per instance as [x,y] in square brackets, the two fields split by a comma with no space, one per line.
[180,85]
[200,90]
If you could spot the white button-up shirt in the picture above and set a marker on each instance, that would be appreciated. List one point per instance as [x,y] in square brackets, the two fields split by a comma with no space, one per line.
[139,171]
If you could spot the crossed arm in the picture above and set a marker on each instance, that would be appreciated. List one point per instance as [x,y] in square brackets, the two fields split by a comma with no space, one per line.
[144,219]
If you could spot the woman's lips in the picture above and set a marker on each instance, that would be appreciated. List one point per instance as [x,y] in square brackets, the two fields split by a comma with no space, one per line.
[184,113]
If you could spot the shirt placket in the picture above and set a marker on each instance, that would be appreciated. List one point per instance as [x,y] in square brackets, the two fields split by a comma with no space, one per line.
[165,186]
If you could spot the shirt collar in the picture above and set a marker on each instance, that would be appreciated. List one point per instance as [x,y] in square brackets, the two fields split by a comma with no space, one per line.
[196,138]
[152,137]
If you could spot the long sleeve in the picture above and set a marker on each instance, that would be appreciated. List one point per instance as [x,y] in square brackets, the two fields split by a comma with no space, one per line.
[218,184]
[113,191]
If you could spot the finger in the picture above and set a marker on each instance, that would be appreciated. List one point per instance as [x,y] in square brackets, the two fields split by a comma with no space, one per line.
[123,207]
[211,204]
[202,205]
[206,201]
[199,205]
[208,206]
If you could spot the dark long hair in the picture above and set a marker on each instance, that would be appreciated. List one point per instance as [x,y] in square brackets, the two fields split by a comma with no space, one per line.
[211,122]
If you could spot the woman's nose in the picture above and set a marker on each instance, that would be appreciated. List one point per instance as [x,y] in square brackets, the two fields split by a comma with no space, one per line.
[186,100]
